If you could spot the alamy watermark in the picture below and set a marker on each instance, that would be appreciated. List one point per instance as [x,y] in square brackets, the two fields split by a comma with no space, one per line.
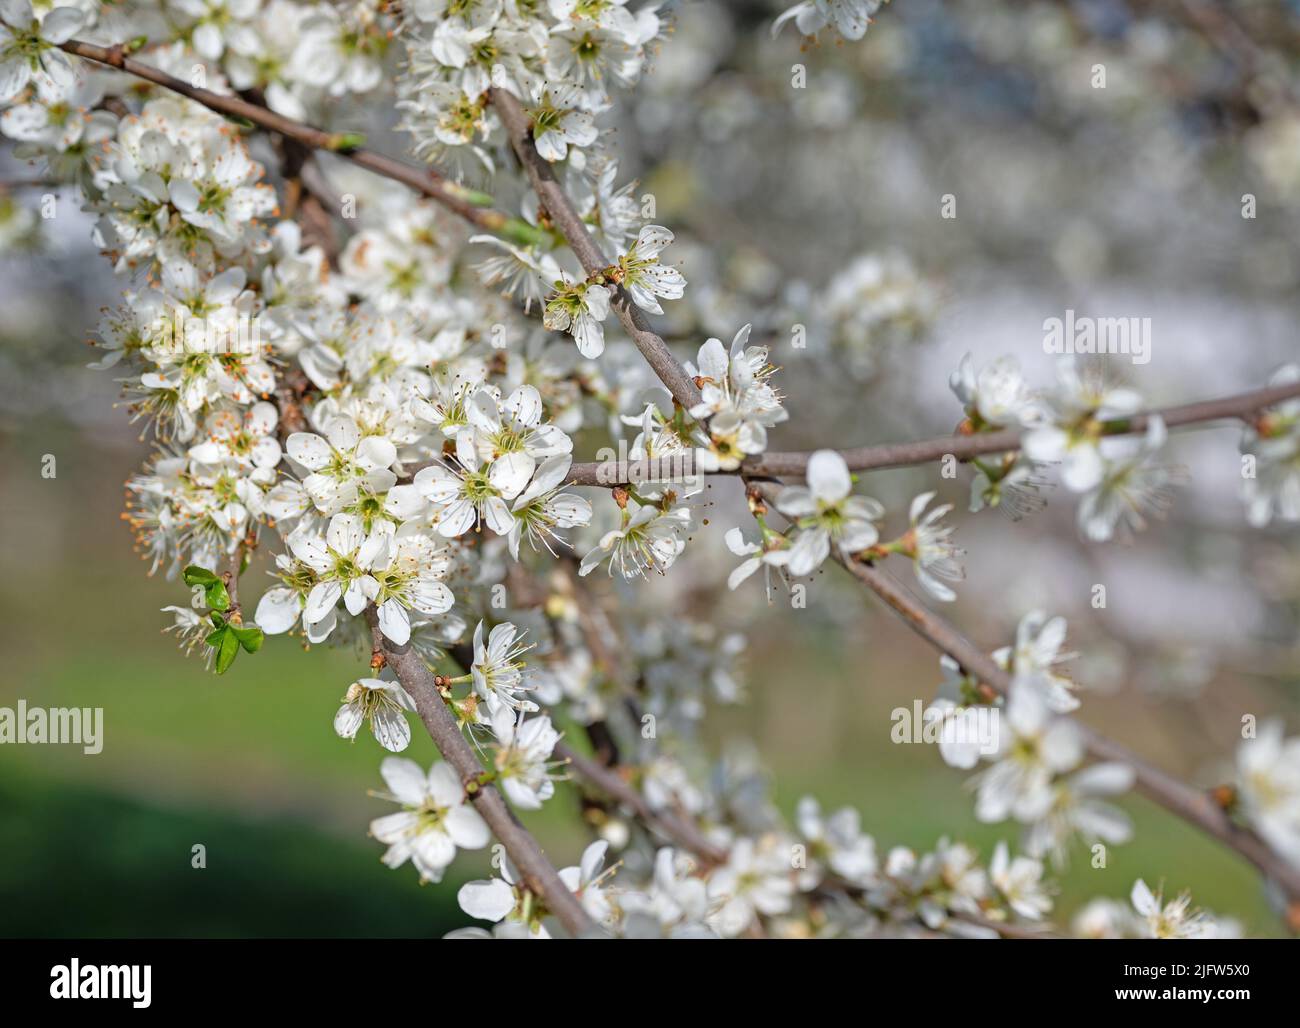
[975,726]
[77,726]
[1084,335]
[106,981]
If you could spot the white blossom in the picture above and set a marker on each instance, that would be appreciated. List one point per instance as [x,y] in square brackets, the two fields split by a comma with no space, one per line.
[434,820]
[826,513]
[342,463]
[29,48]
[997,396]
[498,671]
[579,308]
[1160,920]
[1132,489]
[1033,747]
[933,556]
[641,273]
[1020,882]
[1070,432]
[1034,658]
[737,399]
[649,538]
[1268,784]
[384,705]
[523,755]
[850,17]
[756,880]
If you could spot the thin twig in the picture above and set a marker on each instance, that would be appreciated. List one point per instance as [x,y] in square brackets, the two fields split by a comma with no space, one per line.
[566,217]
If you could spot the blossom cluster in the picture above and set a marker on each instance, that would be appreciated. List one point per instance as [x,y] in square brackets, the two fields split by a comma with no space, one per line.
[824,879]
[1073,425]
[826,517]
[386,425]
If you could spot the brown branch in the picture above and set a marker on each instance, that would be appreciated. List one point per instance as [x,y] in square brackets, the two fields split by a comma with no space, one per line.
[1164,789]
[615,781]
[467,203]
[538,873]
[963,447]
[234,566]
[565,216]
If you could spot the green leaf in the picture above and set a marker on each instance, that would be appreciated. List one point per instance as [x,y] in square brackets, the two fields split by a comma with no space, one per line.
[216,595]
[195,575]
[249,638]
[227,651]
[215,637]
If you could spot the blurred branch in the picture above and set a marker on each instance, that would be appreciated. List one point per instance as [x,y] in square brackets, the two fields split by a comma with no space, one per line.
[30,183]
[610,780]
[1222,30]
[308,197]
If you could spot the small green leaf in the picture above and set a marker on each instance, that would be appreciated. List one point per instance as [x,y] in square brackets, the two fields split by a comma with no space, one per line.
[249,638]
[216,595]
[195,575]
[227,651]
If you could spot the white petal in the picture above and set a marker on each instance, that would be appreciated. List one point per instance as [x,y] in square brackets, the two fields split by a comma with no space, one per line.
[828,476]
[391,730]
[309,450]
[394,622]
[321,601]
[510,473]
[486,900]
[348,720]
[405,780]
[277,610]
[467,829]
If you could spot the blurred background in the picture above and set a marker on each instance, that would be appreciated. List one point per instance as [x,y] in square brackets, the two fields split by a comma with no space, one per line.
[814,205]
